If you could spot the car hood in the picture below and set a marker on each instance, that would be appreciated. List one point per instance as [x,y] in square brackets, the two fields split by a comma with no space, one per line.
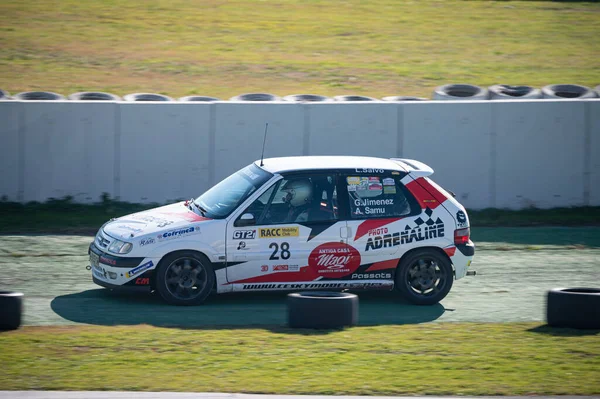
[169,217]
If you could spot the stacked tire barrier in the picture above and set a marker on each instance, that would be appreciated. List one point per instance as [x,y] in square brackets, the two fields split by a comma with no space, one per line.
[353,98]
[567,91]
[146,97]
[508,92]
[456,92]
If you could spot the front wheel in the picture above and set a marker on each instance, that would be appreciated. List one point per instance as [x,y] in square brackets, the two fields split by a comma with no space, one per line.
[184,278]
[424,277]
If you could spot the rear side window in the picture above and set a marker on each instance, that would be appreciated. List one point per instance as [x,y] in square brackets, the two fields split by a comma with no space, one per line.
[380,196]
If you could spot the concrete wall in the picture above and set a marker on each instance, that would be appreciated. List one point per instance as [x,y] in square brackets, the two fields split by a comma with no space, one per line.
[504,154]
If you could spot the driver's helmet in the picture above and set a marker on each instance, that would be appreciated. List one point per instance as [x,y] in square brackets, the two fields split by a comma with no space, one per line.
[299,192]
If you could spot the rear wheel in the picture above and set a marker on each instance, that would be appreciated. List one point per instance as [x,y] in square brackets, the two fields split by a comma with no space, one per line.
[424,277]
[184,278]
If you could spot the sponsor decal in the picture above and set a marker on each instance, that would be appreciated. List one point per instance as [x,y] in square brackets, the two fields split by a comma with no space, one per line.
[139,269]
[142,281]
[368,276]
[389,189]
[353,180]
[129,228]
[424,230]
[264,268]
[244,234]
[315,285]
[178,232]
[279,232]
[146,241]
[160,222]
[375,187]
[242,246]
[368,170]
[395,173]
[388,181]
[285,268]
[461,219]
[352,187]
[334,259]
[250,174]
[378,231]
[107,261]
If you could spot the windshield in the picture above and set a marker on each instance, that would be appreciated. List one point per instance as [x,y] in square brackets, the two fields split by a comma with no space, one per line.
[222,199]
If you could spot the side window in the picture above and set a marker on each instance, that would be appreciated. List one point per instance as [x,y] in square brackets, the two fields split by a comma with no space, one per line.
[378,196]
[298,199]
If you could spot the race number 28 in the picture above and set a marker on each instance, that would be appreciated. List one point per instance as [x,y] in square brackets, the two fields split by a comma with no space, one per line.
[285,251]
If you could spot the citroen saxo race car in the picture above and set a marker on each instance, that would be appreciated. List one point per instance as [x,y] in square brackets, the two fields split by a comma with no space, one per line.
[295,223]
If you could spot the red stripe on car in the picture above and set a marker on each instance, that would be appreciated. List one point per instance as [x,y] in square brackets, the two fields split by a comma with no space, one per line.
[364,228]
[386,264]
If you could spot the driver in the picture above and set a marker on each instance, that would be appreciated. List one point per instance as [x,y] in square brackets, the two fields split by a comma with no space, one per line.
[298,197]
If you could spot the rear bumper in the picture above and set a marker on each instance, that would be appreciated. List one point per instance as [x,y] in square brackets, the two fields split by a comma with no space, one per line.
[462,258]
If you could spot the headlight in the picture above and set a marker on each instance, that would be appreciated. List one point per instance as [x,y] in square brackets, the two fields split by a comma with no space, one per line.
[120,247]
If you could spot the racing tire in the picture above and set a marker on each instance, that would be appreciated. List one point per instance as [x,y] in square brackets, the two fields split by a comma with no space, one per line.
[508,92]
[460,92]
[93,96]
[322,309]
[11,308]
[4,95]
[574,308]
[567,91]
[184,278]
[424,277]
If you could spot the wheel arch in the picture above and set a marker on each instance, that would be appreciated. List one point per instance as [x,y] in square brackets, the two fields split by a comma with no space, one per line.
[153,275]
[438,250]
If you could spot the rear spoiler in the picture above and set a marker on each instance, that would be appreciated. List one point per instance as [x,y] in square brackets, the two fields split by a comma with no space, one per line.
[414,168]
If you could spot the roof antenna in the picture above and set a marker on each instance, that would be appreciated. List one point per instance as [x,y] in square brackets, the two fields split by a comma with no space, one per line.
[264,140]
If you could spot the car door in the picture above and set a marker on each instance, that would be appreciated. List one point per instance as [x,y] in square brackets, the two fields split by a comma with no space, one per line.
[295,235]
[380,208]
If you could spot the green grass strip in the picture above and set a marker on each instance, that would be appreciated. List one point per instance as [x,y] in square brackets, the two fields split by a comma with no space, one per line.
[427,359]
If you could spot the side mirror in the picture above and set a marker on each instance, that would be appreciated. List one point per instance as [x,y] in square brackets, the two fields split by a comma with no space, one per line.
[247,219]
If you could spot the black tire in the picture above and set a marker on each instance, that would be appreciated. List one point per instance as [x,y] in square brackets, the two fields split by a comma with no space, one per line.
[305,98]
[146,97]
[460,92]
[507,92]
[574,308]
[38,95]
[93,96]
[327,310]
[353,98]
[198,99]
[4,95]
[255,97]
[11,308]
[424,277]
[567,91]
[184,278]
[403,98]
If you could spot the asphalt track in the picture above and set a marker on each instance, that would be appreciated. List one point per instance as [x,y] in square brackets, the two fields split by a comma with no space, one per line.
[513,276]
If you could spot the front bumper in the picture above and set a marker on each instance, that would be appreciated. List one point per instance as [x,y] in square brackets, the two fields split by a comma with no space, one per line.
[117,272]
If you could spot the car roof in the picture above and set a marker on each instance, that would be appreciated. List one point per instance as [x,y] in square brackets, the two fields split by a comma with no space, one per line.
[288,164]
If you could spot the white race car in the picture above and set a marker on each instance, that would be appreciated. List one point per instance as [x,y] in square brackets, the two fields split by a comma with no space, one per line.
[295,223]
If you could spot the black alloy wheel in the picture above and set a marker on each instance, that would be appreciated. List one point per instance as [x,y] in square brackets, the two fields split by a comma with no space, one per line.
[424,277]
[184,278]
